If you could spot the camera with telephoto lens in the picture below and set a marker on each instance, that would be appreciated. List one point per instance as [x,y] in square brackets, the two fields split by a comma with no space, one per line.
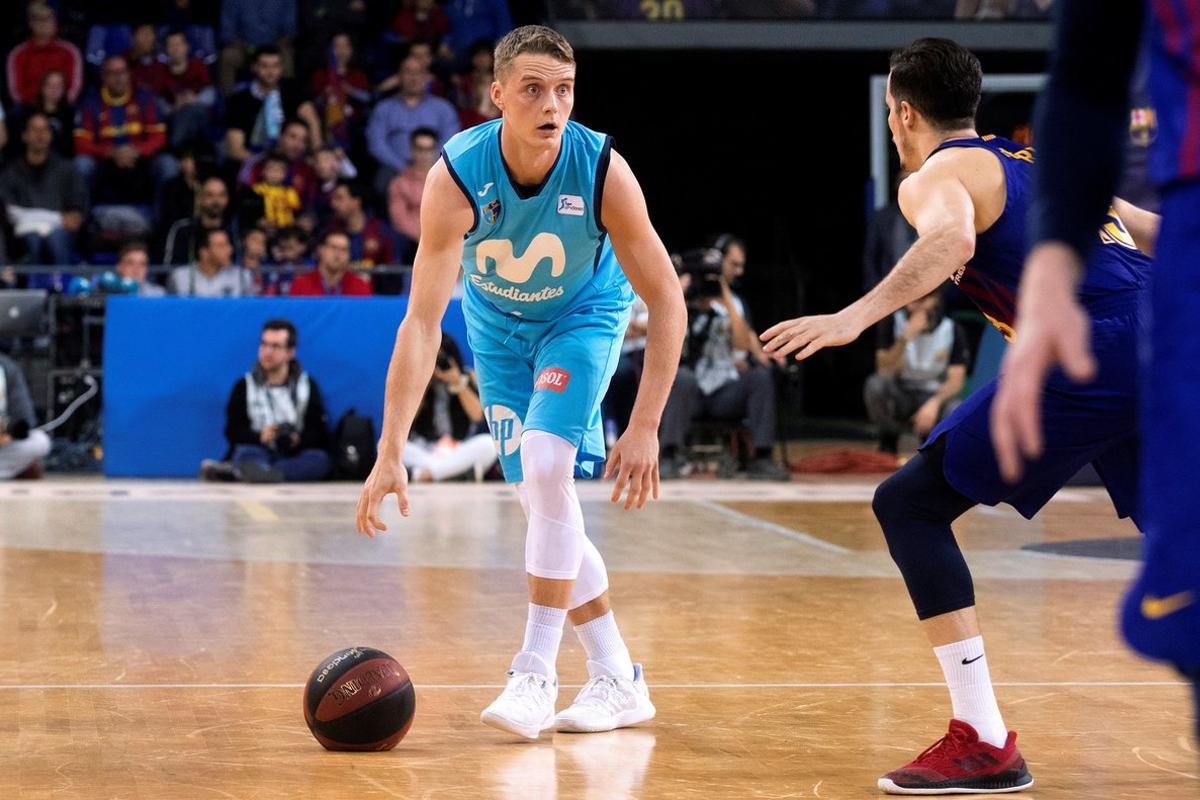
[703,265]
[18,429]
[443,361]
[287,440]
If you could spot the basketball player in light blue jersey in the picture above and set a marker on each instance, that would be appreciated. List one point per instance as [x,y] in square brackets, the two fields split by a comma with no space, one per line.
[550,228]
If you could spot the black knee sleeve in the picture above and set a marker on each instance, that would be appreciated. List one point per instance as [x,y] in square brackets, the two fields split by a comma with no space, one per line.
[915,508]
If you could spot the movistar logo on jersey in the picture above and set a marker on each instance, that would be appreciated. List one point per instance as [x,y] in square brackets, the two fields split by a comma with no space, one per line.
[499,254]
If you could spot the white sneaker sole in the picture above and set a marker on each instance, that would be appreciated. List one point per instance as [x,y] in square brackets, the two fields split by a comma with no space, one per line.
[626,719]
[889,787]
[495,720]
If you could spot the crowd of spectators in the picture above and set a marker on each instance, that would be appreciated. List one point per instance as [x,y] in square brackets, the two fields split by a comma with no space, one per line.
[668,10]
[274,122]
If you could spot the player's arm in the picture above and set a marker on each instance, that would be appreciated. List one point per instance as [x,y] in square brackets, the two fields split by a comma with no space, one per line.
[445,218]
[938,205]
[648,266]
[1141,224]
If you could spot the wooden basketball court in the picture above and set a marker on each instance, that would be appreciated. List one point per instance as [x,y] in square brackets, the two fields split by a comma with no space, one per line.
[157,635]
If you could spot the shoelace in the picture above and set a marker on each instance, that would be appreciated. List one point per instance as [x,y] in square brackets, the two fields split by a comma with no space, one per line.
[529,687]
[603,692]
[954,741]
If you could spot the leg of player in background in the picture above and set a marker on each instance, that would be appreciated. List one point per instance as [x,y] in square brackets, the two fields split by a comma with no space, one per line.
[915,507]
[1161,612]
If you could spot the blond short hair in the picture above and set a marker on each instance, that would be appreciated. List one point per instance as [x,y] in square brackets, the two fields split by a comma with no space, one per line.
[531,40]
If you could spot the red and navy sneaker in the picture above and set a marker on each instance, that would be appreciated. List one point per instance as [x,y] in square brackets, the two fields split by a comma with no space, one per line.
[959,763]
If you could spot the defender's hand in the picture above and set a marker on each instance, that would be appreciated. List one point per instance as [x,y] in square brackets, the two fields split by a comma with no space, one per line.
[634,458]
[388,477]
[809,334]
[1053,330]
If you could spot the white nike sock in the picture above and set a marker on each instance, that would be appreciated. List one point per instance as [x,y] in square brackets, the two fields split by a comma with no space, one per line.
[543,634]
[604,645]
[965,667]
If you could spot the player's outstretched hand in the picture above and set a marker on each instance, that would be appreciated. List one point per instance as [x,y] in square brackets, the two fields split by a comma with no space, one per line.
[388,477]
[634,459]
[809,334]
[1053,330]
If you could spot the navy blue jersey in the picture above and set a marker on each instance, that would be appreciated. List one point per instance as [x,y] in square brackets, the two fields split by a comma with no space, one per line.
[1116,267]
[1174,51]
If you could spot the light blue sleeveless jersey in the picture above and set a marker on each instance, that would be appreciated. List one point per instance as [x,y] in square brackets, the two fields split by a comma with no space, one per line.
[537,257]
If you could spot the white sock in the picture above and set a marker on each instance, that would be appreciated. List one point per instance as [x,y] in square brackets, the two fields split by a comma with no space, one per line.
[604,645]
[965,667]
[543,634]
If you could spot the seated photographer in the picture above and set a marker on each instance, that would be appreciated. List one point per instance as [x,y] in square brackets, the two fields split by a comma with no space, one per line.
[713,379]
[275,419]
[920,368]
[21,445]
[441,444]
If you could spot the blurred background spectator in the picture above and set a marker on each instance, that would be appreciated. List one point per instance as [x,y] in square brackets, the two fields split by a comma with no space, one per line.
[133,263]
[184,89]
[370,239]
[211,212]
[254,26]
[920,369]
[120,141]
[332,277]
[446,439]
[44,199]
[22,445]
[213,274]
[716,380]
[406,190]
[42,52]
[51,100]
[389,133]
[255,115]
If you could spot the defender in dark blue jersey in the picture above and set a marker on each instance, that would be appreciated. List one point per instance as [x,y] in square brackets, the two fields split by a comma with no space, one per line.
[1081,118]
[968,198]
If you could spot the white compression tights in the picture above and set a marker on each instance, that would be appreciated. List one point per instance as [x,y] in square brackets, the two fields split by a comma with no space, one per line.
[555,544]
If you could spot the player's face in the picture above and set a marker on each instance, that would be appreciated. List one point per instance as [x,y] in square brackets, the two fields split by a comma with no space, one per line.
[536,97]
[900,136]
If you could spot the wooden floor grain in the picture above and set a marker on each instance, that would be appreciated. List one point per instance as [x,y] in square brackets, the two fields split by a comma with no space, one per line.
[156,636]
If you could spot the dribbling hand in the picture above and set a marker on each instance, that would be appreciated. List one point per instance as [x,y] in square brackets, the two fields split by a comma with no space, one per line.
[388,477]
[634,459]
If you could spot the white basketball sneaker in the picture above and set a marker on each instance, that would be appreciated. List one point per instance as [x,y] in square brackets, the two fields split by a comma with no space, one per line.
[607,702]
[526,706]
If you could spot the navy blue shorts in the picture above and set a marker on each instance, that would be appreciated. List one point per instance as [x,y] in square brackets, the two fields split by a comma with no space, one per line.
[1095,423]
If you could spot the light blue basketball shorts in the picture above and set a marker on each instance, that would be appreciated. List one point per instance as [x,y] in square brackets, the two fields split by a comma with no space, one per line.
[547,376]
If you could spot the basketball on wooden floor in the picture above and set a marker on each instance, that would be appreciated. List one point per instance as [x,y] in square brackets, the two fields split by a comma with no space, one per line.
[359,699]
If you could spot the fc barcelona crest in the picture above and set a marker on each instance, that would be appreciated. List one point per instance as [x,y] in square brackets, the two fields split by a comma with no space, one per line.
[491,212]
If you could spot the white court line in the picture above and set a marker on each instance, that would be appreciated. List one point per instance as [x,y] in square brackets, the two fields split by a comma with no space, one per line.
[423,686]
[755,522]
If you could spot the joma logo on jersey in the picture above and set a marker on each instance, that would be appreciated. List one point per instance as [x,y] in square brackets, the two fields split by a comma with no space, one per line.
[497,255]
[552,379]
[505,426]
